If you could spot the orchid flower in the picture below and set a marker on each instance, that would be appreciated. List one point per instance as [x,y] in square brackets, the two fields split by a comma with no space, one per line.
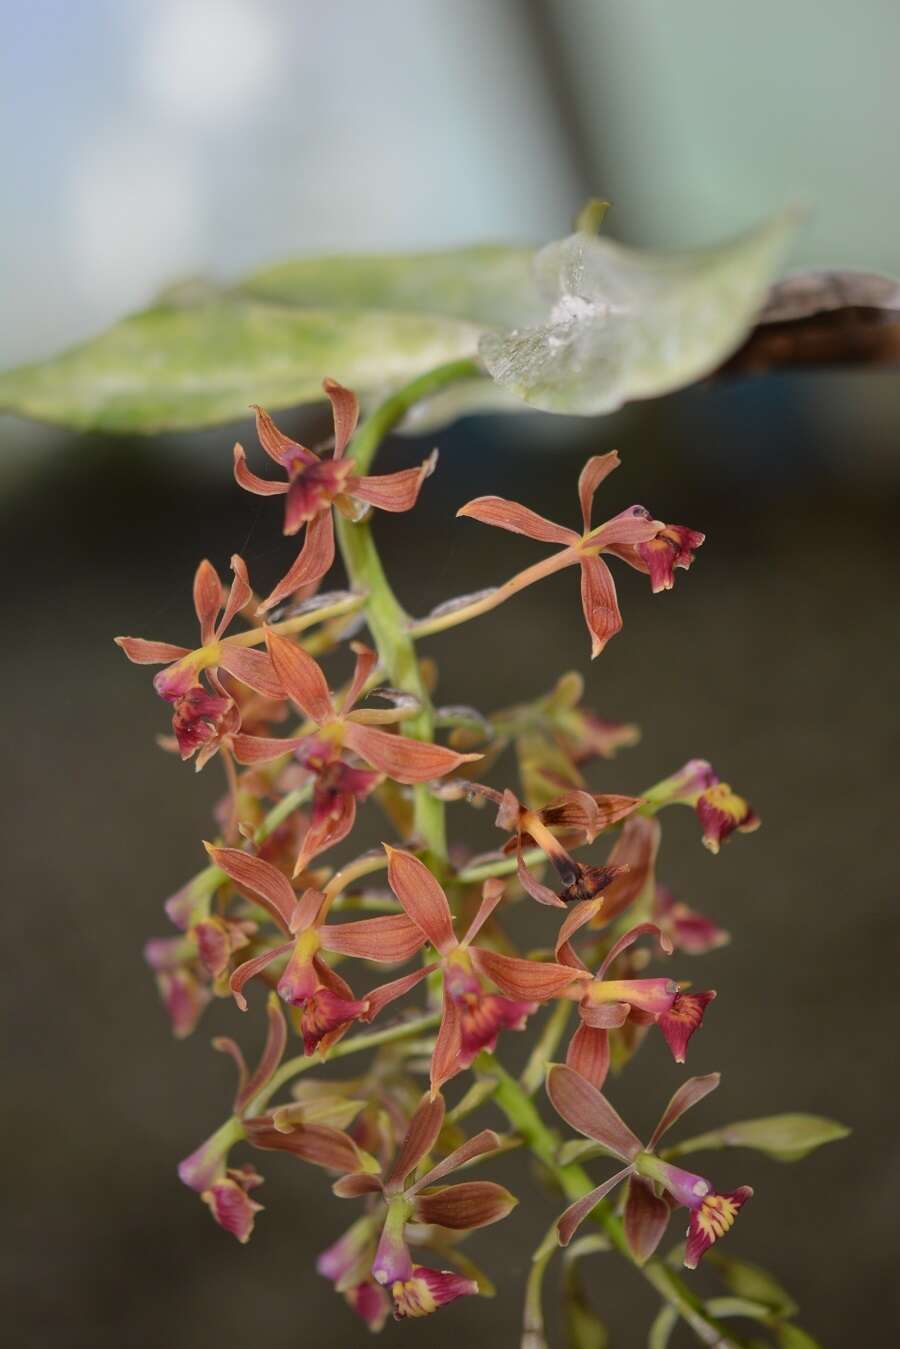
[647,544]
[308,1131]
[687,930]
[181,980]
[719,809]
[606,1004]
[215,614]
[198,713]
[326,1002]
[312,485]
[472,1017]
[655,1186]
[408,761]
[347,1263]
[415,1289]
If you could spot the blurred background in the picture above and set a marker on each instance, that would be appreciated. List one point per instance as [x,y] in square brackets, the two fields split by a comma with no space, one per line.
[148,141]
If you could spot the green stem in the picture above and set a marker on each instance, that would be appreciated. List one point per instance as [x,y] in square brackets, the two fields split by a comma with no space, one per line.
[535,1069]
[452,617]
[502,866]
[574,1181]
[340,608]
[388,622]
[390,629]
[356,1044]
[394,409]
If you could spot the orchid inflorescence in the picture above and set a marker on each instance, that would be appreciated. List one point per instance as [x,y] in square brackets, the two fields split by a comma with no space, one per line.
[301,754]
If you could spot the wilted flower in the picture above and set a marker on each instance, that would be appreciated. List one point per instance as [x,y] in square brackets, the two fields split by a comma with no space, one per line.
[578,815]
[314,484]
[655,1186]
[627,535]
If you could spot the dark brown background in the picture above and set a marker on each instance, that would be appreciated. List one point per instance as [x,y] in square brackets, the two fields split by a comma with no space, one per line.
[776,658]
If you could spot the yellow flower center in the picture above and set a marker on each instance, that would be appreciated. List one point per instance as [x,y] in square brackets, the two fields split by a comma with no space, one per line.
[716,1215]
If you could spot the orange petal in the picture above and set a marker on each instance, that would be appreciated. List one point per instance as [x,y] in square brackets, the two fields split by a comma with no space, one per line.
[301,678]
[587,1110]
[366,660]
[576,1213]
[635,849]
[422,898]
[392,491]
[400,758]
[253,668]
[629,938]
[276,1039]
[532,980]
[312,562]
[646,1218]
[244,477]
[378,998]
[250,968]
[345,410]
[475,1203]
[239,594]
[599,602]
[316,1143]
[588,1054]
[491,895]
[518,519]
[592,475]
[276,444]
[259,749]
[687,1096]
[141,652]
[260,880]
[445,1059]
[207,599]
[484,1142]
[418,1141]
[391,939]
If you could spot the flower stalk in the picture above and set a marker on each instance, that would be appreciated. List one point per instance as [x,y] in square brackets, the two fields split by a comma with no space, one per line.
[264,910]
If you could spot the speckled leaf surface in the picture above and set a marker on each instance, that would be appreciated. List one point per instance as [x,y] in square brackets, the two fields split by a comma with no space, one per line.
[490,284]
[625,324]
[174,367]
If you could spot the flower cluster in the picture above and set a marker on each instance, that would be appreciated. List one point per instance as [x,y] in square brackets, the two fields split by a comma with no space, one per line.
[286,902]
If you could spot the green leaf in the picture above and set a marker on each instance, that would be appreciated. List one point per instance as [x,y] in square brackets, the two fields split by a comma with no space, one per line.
[664,1323]
[582,1150]
[627,324]
[787,1138]
[489,284]
[752,1282]
[583,1327]
[724,1307]
[533,1331]
[792,1337]
[175,367]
